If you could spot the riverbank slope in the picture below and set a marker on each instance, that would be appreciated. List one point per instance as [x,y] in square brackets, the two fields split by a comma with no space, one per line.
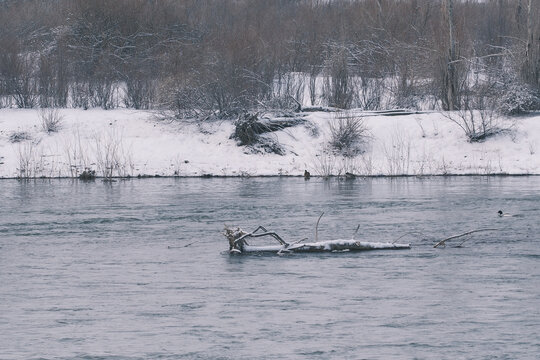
[126,142]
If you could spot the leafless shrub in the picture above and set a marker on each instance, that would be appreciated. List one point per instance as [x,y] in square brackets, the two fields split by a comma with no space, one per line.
[338,84]
[79,94]
[102,93]
[328,164]
[398,153]
[28,162]
[478,125]
[424,163]
[348,167]
[186,98]
[51,120]
[325,165]
[348,135]
[367,165]
[287,92]
[17,76]
[5,101]
[370,93]
[140,93]
[112,158]
[77,154]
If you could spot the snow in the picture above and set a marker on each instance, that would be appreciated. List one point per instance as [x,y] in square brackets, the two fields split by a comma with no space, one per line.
[142,144]
[329,244]
[364,244]
[326,246]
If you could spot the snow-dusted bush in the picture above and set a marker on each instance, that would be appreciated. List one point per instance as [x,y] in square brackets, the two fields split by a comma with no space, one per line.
[348,135]
[51,120]
[518,99]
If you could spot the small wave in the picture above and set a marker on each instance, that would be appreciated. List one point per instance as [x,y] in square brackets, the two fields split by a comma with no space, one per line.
[70,309]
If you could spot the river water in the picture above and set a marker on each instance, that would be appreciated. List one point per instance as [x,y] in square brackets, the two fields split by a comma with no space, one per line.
[102,271]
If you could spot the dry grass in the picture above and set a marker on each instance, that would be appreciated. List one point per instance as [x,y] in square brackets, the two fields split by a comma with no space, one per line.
[51,120]
[348,135]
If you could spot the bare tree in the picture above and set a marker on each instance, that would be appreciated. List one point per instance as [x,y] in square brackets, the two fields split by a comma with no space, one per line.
[221,56]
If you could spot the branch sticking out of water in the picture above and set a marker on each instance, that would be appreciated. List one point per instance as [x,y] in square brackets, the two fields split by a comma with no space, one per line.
[317,228]
[410,233]
[356,231]
[443,242]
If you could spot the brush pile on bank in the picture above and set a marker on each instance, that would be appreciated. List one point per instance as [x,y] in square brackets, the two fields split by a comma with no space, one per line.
[254,131]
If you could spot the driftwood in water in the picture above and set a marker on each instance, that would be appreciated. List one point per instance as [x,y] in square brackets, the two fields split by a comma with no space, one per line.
[317,227]
[343,245]
[238,243]
[443,242]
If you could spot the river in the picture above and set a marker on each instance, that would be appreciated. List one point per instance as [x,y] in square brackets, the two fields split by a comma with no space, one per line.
[138,269]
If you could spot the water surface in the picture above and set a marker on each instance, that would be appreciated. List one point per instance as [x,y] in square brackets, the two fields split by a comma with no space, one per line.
[101,271]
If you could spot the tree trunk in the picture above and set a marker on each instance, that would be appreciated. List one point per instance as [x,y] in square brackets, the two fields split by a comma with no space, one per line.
[451,76]
[531,67]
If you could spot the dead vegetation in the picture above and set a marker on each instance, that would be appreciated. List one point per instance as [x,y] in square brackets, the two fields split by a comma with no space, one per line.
[479,125]
[348,135]
[253,130]
[51,120]
[19,136]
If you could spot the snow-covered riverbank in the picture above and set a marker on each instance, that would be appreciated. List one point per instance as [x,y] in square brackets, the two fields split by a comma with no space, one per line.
[140,144]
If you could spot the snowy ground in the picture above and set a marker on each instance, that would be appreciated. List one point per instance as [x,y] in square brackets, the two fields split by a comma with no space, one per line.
[140,144]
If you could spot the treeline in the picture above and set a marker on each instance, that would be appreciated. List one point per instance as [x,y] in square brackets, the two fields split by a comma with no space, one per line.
[219,57]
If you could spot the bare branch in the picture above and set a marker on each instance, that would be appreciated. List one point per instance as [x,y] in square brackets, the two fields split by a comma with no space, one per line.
[317,228]
[443,242]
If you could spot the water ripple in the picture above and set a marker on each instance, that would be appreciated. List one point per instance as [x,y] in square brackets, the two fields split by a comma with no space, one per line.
[102,273]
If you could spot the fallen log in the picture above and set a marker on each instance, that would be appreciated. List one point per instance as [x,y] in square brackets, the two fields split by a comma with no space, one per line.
[238,243]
